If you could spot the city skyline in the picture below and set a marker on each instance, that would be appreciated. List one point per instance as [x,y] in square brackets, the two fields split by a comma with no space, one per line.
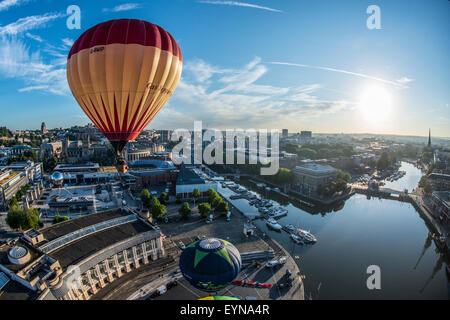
[262,64]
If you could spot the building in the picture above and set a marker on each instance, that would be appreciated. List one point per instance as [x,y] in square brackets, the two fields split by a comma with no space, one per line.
[440,181]
[191,178]
[50,149]
[305,137]
[310,176]
[17,175]
[19,149]
[441,203]
[285,133]
[43,128]
[79,257]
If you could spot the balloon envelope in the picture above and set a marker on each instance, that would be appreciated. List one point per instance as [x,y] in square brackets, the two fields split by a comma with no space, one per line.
[122,72]
[210,264]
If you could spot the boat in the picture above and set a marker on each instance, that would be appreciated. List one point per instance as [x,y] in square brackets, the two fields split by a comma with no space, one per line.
[290,227]
[296,239]
[278,212]
[306,235]
[272,223]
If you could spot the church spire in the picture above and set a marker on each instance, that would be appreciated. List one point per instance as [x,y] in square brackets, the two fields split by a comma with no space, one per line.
[429,138]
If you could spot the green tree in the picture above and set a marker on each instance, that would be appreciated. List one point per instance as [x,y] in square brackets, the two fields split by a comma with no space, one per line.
[18,218]
[204,209]
[196,194]
[146,198]
[222,208]
[157,209]
[163,198]
[343,175]
[58,219]
[216,201]
[184,210]
[13,201]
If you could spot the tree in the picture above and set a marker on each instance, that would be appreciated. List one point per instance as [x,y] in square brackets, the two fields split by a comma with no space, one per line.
[425,185]
[157,209]
[196,194]
[204,209]
[58,219]
[184,210]
[146,198]
[163,198]
[222,208]
[18,218]
[50,163]
[13,202]
[216,201]
[343,175]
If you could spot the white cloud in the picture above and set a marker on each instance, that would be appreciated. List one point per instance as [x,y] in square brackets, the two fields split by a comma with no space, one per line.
[18,62]
[6,4]
[230,98]
[123,7]
[394,83]
[34,37]
[404,80]
[68,42]
[239,4]
[28,23]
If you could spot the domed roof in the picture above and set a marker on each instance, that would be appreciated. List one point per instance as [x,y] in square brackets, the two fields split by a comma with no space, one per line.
[57,176]
[18,252]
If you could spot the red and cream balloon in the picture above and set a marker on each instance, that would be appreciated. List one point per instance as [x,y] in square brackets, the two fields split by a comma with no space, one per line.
[122,72]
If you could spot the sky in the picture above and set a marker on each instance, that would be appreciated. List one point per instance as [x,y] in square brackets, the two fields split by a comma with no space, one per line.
[262,64]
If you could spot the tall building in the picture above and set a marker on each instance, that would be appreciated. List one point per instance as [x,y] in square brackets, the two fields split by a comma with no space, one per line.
[305,136]
[43,128]
[285,133]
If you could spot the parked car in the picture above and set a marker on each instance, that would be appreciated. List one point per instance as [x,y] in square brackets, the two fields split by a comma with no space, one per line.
[171,284]
[272,264]
[282,260]
[237,282]
[250,298]
[161,290]
[181,244]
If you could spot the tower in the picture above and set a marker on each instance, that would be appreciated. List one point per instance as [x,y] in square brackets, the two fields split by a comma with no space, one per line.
[43,128]
[429,138]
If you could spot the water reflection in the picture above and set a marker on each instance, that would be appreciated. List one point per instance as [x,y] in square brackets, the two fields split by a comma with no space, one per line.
[354,234]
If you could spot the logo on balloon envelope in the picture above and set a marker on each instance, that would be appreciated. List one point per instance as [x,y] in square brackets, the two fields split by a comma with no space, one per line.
[210,264]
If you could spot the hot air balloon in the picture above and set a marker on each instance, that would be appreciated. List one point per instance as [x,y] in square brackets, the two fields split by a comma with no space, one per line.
[219,298]
[122,72]
[210,264]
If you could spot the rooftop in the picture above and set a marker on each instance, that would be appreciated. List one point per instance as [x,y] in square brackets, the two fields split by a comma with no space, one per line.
[62,228]
[77,250]
[189,176]
[4,260]
[315,168]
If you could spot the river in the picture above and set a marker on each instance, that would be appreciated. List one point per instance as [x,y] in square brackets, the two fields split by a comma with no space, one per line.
[359,233]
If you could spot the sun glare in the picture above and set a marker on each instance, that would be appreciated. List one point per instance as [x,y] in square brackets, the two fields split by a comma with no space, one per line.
[375,105]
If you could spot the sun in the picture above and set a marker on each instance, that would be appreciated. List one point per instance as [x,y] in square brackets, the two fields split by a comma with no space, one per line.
[375,105]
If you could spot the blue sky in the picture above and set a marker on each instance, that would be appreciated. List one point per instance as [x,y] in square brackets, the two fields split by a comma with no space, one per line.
[296,64]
